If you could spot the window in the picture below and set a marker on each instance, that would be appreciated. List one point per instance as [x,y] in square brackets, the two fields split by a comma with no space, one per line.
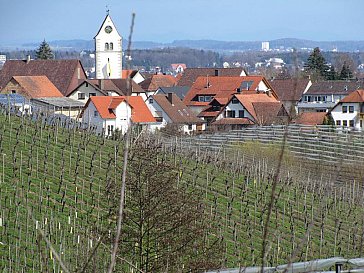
[216,108]
[13,91]
[96,114]
[151,100]
[361,123]
[345,123]
[190,127]
[241,113]
[351,123]
[230,114]
[207,98]
[86,84]
[201,98]
[106,46]
[92,94]
[110,129]
[338,122]
[351,109]
[246,85]
[345,109]
[81,96]
[111,46]
[234,101]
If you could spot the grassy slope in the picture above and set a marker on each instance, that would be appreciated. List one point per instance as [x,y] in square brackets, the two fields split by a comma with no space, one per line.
[63,177]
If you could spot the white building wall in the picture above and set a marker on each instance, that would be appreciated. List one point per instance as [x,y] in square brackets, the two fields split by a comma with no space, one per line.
[234,107]
[154,107]
[338,115]
[86,90]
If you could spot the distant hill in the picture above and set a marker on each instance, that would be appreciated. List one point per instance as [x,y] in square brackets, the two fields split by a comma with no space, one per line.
[286,43]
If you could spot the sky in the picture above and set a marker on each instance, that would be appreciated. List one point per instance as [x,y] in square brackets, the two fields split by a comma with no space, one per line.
[27,21]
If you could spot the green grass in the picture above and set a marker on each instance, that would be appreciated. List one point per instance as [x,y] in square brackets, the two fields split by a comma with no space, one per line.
[65,179]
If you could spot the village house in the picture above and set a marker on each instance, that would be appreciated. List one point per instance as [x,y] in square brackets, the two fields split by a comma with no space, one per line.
[116,113]
[290,92]
[349,112]
[170,110]
[205,89]
[178,68]
[31,87]
[64,74]
[322,96]
[250,108]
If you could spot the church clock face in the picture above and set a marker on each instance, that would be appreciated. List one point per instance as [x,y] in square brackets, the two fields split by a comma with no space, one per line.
[108,29]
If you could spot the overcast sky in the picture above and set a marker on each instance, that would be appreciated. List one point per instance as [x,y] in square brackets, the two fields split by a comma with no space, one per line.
[167,20]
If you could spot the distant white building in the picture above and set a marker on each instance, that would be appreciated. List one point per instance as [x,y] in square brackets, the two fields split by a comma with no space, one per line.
[265,46]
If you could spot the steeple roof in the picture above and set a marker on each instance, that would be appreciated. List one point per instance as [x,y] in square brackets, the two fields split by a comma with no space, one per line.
[107,21]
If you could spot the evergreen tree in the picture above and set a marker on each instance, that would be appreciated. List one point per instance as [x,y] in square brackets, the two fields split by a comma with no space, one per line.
[346,73]
[316,65]
[44,51]
[331,75]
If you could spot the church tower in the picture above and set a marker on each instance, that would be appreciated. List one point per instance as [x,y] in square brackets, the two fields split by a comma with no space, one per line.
[108,47]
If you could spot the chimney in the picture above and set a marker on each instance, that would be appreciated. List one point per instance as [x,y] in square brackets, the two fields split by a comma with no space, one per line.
[101,84]
[28,59]
[169,97]
[216,72]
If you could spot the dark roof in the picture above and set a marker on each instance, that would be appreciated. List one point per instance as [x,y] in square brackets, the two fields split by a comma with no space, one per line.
[61,102]
[334,87]
[190,75]
[176,110]
[123,83]
[157,81]
[180,91]
[268,113]
[289,89]
[62,73]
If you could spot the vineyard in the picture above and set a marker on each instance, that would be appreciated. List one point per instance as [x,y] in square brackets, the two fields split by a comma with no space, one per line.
[59,196]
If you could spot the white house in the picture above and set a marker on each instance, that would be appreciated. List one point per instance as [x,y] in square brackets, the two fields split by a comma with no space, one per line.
[169,109]
[110,113]
[349,112]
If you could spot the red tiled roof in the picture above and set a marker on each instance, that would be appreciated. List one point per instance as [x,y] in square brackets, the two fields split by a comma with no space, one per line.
[62,73]
[247,101]
[222,87]
[128,73]
[190,75]
[311,118]
[105,104]
[289,89]
[356,96]
[37,86]
[176,110]
[267,113]
[158,80]
[233,121]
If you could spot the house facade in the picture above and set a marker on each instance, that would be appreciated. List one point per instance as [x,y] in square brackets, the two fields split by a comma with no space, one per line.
[84,91]
[349,112]
[251,109]
[322,96]
[116,113]
[170,110]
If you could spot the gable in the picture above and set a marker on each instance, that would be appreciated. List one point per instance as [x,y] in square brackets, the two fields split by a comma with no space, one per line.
[107,22]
